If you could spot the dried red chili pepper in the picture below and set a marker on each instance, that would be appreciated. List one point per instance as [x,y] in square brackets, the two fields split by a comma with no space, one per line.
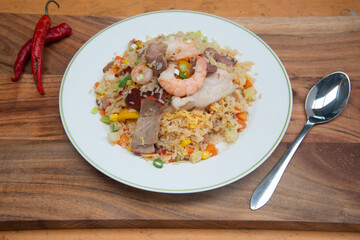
[37,48]
[54,34]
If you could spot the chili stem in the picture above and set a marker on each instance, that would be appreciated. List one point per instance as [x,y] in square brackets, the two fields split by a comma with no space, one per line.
[46,6]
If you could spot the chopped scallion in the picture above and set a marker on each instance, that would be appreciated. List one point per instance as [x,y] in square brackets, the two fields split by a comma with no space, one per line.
[183,68]
[158,163]
[133,46]
[94,110]
[122,83]
[183,76]
[105,119]
[113,128]
[198,33]
[140,78]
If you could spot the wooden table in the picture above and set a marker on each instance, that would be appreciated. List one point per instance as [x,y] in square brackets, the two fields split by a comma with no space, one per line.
[46,184]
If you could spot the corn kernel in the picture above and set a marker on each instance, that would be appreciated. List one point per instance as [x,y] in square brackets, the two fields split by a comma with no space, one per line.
[113,117]
[205,155]
[100,95]
[185,142]
[129,149]
[126,61]
[192,125]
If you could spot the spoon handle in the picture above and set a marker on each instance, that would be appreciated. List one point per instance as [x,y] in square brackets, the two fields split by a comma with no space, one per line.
[267,186]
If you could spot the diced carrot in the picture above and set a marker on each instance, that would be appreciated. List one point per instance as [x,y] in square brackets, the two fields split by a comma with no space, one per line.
[212,150]
[97,84]
[248,84]
[190,150]
[171,160]
[118,58]
[102,112]
[210,147]
[115,69]
[237,108]
[242,124]
[167,154]
[124,140]
[242,116]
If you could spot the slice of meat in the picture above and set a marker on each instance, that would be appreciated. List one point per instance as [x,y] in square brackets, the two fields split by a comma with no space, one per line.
[159,95]
[216,86]
[209,69]
[147,126]
[155,57]
[133,99]
[108,66]
[228,61]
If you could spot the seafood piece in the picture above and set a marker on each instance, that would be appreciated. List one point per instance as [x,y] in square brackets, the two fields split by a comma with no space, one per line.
[141,74]
[184,87]
[147,126]
[228,61]
[155,57]
[216,86]
[181,50]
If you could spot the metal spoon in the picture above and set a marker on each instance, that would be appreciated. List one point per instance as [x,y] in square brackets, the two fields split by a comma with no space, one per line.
[325,101]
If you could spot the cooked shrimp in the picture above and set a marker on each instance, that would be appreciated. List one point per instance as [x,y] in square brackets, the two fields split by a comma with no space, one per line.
[141,74]
[184,87]
[180,49]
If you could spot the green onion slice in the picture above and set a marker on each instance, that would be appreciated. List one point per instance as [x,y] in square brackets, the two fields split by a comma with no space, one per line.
[122,83]
[158,163]
[113,128]
[105,119]
[183,68]
[183,76]
[94,110]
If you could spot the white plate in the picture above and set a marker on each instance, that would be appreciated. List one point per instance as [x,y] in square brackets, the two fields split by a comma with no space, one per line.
[269,117]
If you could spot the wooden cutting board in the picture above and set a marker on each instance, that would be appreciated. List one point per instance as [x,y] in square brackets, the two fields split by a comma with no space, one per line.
[45,183]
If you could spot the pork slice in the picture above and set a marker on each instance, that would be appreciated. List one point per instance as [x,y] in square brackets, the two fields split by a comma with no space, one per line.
[133,99]
[228,61]
[209,68]
[216,86]
[147,126]
[108,66]
[155,57]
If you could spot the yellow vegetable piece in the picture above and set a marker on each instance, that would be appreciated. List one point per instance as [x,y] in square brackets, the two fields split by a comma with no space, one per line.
[126,61]
[185,142]
[113,117]
[140,44]
[192,125]
[126,114]
[205,155]
[147,155]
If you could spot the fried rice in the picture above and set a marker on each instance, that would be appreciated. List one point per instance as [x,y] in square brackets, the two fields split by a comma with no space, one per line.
[184,134]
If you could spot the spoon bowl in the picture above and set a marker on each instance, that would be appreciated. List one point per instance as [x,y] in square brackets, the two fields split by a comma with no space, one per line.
[328,98]
[325,101]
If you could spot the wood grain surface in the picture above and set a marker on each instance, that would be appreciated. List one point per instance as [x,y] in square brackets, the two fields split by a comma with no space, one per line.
[45,183]
[175,234]
[233,8]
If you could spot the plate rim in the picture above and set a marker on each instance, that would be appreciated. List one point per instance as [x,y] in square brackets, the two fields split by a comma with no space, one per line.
[179,191]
